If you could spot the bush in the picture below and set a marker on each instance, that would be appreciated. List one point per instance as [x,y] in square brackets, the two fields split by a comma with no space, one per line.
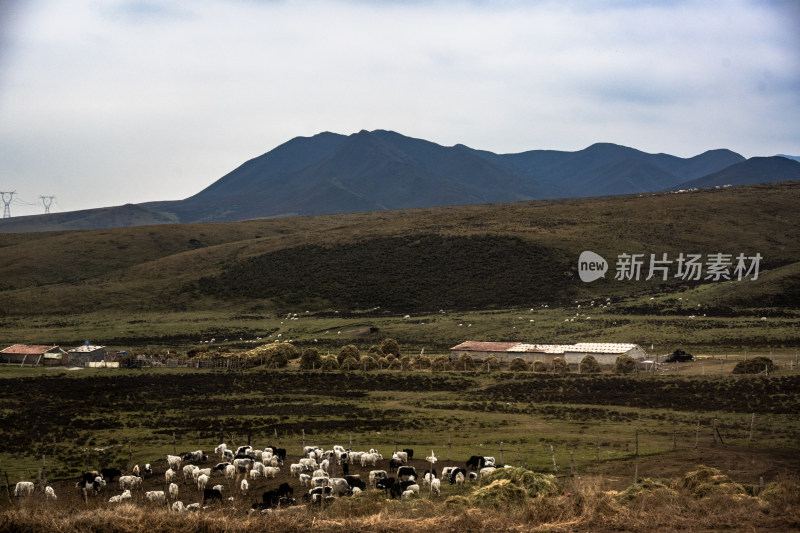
[589,365]
[518,364]
[390,346]
[330,363]
[560,366]
[349,363]
[441,363]
[465,362]
[368,363]
[310,359]
[624,365]
[349,350]
[755,365]
[490,364]
[539,366]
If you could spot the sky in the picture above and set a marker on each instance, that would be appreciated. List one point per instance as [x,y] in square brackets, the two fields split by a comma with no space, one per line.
[108,102]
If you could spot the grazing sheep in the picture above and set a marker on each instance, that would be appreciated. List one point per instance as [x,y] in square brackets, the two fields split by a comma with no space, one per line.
[156,496]
[23,488]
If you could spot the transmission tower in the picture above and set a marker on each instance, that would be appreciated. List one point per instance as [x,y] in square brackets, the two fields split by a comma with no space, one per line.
[47,201]
[7,196]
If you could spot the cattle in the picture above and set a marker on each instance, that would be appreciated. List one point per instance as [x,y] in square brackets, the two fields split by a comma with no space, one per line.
[370,459]
[136,471]
[169,476]
[385,483]
[178,507]
[173,491]
[485,470]
[308,463]
[220,450]
[174,461]
[280,453]
[156,496]
[242,451]
[197,472]
[305,480]
[50,494]
[459,479]
[318,494]
[202,481]
[230,472]
[436,486]
[148,470]
[194,506]
[409,452]
[23,488]
[244,486]
[110,473]
[455,472]
[406,472]
[271,471]
[319,473]
[340,485]
[296,469]
[92,487]
[394,464]
[476,462]
[210,495]
[488,461]
[89,477]
[243,464]
[447,471]
[254,475]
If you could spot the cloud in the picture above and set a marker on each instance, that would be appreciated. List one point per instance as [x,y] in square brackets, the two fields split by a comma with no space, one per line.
[103,103]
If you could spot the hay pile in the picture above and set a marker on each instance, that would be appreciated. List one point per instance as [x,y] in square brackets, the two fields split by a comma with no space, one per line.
[706,481]
[500,494]
[644,487]
[535,484]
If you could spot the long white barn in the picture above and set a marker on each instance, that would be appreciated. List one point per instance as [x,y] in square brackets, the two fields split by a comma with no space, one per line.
[606,353]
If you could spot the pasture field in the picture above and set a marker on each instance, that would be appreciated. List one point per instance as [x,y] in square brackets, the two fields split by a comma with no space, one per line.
[594,433]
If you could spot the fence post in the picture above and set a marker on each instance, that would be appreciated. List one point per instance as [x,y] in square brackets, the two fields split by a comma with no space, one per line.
[304,439]
[174,449]
[636,474]
[553,456]
[44,471]
[571,465]
[501,453]
[697,434]
[674,436]
[449,443]
[752,422]
[598,447]
[636,437]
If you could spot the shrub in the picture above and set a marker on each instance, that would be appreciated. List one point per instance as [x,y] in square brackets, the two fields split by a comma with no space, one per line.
[755,365]
[465,362]
[490,364]
[539,366]
[349,350]
[390,346]
[441,363]
[348,363]
[518,364]
[368,363]
[624,365]
[310,359]
[589,365]
[330,363]
[560,366]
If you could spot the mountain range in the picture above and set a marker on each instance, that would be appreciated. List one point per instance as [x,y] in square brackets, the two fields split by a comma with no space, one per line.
[330,173]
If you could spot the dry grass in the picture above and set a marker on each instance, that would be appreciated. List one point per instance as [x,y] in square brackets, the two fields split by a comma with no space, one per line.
[650,506]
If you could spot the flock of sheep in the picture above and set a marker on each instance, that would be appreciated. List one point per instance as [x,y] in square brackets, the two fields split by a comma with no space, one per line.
[240,468]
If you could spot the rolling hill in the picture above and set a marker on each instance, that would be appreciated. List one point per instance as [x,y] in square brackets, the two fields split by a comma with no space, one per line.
[382,170]
[458,257]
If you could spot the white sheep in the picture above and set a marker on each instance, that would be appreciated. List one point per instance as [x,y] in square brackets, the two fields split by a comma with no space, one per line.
[244,486]
[174,461]
[23,488]
[156,496]
[173,491]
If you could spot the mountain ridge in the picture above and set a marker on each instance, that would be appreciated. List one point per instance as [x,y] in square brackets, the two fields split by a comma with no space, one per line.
[330,173]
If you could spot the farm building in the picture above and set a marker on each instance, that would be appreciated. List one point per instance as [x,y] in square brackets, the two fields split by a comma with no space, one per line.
[25,354]
[86,353]
[606,353]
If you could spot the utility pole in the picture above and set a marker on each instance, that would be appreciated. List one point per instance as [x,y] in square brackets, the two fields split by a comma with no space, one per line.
[47,201]
[7,196]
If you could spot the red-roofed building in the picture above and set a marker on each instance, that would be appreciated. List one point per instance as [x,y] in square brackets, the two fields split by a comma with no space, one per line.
[27,354]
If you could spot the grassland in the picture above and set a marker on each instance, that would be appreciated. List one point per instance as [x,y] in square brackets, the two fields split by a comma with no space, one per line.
[600,430]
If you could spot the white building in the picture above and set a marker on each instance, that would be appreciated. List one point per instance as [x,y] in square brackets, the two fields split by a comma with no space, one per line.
[606,353]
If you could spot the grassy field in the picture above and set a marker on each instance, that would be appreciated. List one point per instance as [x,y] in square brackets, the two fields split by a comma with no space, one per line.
[601,431]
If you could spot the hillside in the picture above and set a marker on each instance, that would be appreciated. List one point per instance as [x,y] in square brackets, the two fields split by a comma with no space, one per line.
[480,256]
[754,170]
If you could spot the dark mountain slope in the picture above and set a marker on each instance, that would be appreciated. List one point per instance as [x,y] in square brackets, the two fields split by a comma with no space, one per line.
[754,170]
